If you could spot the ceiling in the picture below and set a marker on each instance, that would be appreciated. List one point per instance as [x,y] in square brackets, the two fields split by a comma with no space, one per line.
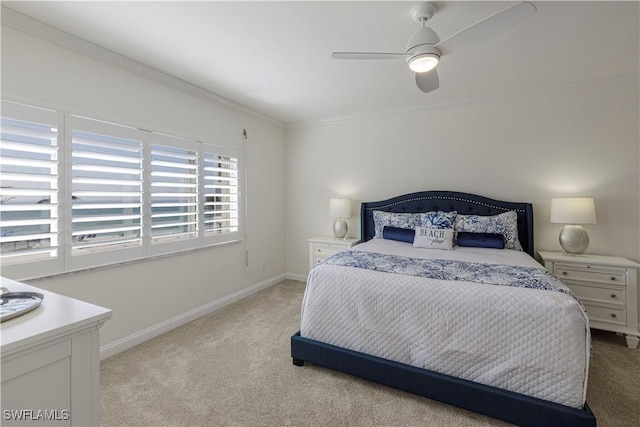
[275,57]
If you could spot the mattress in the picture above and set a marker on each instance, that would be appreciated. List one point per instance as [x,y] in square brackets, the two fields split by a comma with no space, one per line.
[529,341]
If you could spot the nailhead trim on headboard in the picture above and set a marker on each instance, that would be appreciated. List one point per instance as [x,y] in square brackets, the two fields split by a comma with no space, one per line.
[475,202]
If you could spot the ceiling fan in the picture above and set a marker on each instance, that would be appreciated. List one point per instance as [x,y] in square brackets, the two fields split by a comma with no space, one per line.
[425,47]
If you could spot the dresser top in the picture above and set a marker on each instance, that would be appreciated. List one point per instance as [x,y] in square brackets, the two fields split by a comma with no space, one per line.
[57,315]
[588,259]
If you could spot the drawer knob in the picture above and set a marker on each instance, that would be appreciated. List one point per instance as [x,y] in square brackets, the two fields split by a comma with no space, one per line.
[564,273]
[613,277]
[318,250]
[613,315]
[613,295]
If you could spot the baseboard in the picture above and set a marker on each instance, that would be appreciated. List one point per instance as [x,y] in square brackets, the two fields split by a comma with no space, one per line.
[298,277]
[153,331]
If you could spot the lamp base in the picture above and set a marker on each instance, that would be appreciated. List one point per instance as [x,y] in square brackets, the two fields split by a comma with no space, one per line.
[340,228]
[574,239]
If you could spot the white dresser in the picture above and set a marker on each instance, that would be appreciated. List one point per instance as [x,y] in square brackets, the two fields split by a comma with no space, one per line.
[607,287]
[50,362]
[325,246]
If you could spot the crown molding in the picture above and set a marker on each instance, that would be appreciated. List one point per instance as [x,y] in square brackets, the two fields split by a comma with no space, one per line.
[54,35]
[625,79]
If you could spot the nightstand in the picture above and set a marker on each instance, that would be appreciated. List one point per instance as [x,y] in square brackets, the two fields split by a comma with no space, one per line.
[325,246]
[607,287]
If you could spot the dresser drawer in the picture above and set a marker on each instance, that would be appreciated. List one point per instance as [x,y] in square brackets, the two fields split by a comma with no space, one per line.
[602,294]
[587,274]
[616,316]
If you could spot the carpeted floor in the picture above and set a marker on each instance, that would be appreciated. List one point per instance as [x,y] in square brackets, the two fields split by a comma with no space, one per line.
[233,368]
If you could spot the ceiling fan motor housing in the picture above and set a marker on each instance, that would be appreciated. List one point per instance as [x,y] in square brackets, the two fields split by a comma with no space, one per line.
[422,45]
[424,36]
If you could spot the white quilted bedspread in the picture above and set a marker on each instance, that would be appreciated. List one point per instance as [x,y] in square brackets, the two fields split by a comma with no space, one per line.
[528,341]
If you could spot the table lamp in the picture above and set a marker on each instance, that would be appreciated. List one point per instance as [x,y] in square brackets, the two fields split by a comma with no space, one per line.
[573,211]
[340,209]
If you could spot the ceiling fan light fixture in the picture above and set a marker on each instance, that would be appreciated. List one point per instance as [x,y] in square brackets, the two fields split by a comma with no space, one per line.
[423,62]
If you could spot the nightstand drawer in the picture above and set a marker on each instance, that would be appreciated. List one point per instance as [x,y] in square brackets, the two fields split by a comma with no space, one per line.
[327,249]
[324,246]
[601,294]
[614,316]
[593,275]
[318,260]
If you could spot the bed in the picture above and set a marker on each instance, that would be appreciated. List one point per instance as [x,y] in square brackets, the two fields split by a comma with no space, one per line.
[408,318]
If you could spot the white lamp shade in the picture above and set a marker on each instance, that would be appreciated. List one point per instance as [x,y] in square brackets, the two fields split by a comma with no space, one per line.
[340,208]
[573,210]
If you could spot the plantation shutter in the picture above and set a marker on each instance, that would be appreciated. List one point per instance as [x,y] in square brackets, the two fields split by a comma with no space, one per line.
[106,187]
[29,198]
[79,193]
[221,207]
[174,190]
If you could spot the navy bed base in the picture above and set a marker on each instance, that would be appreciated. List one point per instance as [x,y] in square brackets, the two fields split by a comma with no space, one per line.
[491,401]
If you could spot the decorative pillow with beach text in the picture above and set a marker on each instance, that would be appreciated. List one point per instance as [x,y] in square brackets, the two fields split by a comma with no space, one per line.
[433,238]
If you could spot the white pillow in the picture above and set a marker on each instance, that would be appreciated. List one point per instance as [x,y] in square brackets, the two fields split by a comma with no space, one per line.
[433,238]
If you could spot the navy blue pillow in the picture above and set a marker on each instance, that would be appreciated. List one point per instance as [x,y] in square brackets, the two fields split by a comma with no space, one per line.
[399,234]
[481,240]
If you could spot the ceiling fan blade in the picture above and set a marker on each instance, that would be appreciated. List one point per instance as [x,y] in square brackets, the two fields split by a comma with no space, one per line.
[368,55]
[489,27]
[428,81]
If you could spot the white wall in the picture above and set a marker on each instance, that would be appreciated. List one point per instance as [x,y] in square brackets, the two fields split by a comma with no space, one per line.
[576,140]
[145,294]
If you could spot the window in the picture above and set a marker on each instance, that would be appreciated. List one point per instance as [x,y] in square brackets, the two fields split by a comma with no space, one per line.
[174,191]
[29,195]
[221,193]
[106,193]
[109,193]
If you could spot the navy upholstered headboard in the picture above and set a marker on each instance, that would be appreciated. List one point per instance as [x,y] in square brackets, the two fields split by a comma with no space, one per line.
[467,204]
